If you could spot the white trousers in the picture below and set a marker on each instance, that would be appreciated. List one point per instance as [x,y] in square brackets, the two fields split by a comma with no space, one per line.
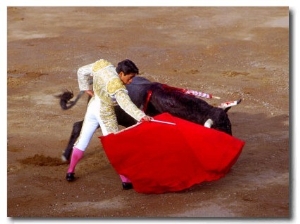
[90,124]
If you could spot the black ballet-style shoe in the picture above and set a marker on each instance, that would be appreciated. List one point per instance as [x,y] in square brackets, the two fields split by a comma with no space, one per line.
[70,177]
[127,186]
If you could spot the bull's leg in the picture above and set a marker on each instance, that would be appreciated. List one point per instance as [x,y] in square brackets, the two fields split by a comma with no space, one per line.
[74,135]
[123,119]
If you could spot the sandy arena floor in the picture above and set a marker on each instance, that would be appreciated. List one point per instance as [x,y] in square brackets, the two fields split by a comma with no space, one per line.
[230,52]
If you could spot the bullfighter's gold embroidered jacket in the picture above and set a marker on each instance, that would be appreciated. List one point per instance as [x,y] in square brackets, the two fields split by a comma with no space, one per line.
[108,87]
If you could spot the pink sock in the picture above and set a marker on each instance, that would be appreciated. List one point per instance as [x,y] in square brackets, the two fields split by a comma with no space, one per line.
[125,179]
[77,155]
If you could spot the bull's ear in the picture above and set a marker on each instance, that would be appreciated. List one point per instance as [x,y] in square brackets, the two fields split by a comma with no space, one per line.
[227,109]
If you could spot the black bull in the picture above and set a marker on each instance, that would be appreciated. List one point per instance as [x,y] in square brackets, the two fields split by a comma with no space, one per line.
[162,100]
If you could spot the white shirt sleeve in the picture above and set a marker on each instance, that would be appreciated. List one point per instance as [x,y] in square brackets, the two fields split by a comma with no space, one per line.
[83,74]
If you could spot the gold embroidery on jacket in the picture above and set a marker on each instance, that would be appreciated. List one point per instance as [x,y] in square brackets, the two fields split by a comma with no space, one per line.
[107,85]
[100,64]
[115,85]
[101,79]
[108,116]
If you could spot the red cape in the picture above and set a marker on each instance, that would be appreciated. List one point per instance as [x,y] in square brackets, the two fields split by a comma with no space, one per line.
[160,158]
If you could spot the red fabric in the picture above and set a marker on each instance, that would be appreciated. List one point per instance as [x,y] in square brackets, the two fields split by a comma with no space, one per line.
[160,158]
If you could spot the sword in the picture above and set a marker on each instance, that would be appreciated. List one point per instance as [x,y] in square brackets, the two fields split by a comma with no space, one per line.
[163,122]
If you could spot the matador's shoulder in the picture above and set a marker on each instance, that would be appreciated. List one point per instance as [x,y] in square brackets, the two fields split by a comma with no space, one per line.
[115,85]
[100,64]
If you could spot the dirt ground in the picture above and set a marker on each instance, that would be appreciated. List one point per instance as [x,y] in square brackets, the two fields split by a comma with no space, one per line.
[233,53]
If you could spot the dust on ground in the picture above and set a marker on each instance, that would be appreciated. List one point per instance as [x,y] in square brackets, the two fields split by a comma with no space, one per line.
[234,53]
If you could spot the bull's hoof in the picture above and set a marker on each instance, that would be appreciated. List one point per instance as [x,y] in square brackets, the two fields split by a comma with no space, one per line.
[127,186]
[64,158]
[70,177]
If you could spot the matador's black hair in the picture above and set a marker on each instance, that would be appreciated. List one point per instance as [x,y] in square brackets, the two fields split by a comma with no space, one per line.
[127,66]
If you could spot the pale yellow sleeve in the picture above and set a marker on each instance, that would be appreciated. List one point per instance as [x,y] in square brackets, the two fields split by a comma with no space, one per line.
[117,89]
[83,75]
[128,106]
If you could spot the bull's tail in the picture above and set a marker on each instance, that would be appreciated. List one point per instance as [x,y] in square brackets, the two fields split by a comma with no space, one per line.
[65,98]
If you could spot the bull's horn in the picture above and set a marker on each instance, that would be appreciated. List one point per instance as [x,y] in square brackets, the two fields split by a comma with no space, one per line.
[208,123]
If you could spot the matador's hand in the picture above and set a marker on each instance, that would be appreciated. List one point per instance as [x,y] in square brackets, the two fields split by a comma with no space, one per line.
[90,92]
[146,118]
